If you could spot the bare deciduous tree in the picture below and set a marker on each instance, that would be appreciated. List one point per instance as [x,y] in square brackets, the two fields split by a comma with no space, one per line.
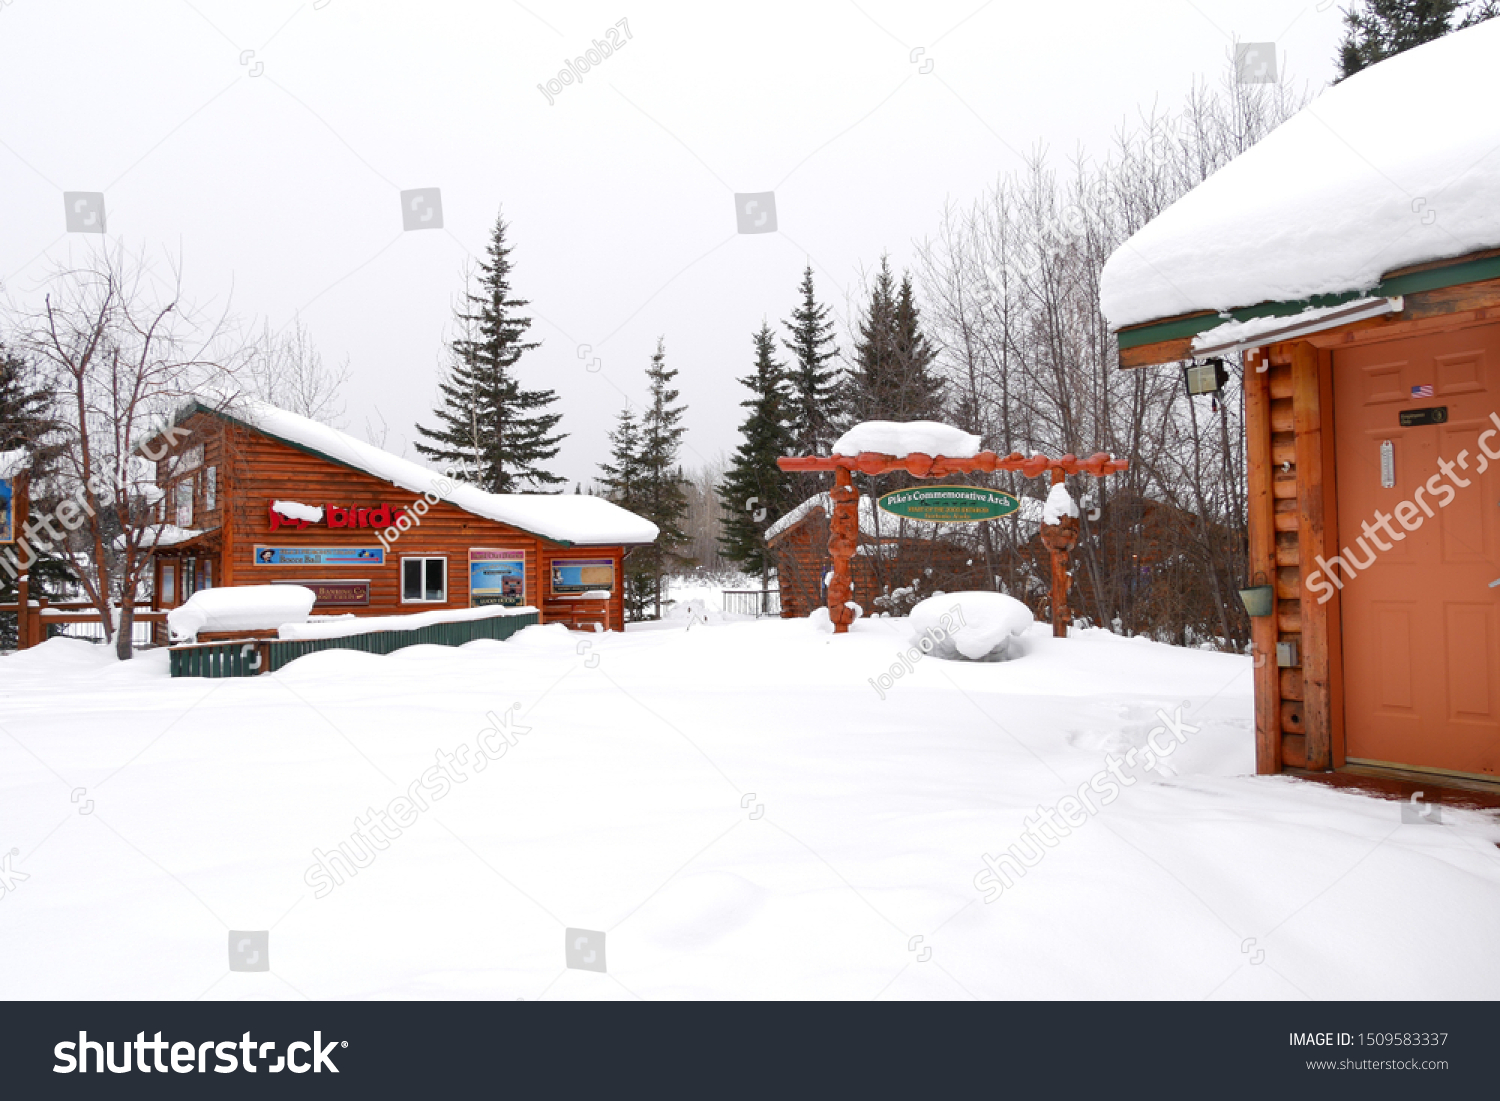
[286,369]
[1011,291]
[123,350]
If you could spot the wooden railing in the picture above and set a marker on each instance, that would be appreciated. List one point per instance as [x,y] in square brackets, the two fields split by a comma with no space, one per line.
[756,602]
[33,620]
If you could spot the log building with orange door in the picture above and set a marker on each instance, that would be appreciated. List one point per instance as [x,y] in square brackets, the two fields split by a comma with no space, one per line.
[1349,267]
[256,495]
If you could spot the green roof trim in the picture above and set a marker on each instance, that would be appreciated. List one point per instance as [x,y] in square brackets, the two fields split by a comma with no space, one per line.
[1449,275]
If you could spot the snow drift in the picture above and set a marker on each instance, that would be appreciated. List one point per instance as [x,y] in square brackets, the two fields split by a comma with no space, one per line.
[985,627]
[240,608]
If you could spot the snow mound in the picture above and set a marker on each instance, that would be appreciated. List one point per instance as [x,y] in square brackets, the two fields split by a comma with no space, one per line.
[694,611]
[240,608]
[543,637]
[911,437]
[162,535]
[985,626]
[822,621]
[346,625]
[296,510]
[1059,504]
[1399,170]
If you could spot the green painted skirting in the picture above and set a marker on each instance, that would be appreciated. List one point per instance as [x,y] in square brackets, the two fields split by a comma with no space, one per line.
[1470,271]
[242,659]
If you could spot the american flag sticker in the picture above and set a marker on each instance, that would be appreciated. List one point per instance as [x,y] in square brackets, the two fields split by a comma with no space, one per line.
[1421,391]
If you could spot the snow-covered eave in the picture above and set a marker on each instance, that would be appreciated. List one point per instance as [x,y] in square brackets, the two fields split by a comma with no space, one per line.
[164,536]
[1473,267]
[194,406]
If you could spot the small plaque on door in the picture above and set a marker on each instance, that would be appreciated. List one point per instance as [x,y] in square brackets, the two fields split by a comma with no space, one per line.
[1412,418]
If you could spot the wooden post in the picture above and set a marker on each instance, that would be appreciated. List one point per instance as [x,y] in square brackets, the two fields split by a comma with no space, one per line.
[1331,613]
[1059,538]
[1262,531]
[23,612]
[20,512]
[843,542]
[1308,424]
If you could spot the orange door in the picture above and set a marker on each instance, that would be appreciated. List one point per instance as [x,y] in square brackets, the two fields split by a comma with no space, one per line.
[1421,626]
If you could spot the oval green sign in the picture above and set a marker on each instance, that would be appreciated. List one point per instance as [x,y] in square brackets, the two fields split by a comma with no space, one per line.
[949,504]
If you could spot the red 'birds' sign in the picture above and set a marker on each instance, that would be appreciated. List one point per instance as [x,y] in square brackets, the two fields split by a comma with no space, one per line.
[338,516]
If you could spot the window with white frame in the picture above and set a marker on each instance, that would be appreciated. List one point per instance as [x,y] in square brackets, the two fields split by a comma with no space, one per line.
[424,580]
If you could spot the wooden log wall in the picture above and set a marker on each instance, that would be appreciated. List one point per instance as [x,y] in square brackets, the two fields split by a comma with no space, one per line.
[1288,425]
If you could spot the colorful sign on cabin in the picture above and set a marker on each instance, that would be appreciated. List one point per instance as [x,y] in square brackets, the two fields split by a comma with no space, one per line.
[571,576]
[497,577]
[949,504]
[335,594]
[319,556]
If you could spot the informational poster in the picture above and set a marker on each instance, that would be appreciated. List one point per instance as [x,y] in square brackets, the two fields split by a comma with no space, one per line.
[571,576]
[497,577]
[7,511]
[319,556]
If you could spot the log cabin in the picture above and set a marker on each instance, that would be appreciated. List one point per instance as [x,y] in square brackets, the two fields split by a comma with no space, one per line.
[257,495]
[1349,266]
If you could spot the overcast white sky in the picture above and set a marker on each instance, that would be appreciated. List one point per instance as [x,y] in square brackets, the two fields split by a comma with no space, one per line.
[277,175]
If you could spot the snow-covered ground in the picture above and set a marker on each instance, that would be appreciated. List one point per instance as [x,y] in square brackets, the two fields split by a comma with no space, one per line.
[699,597]
[734,806]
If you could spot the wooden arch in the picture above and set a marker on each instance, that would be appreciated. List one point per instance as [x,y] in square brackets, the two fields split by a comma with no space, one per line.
[843,538]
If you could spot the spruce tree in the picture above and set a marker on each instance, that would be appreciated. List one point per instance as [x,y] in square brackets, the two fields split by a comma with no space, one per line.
[487,419]
[754,492]
[812,403]
[892,377]
[621,482]
[1378,29]
[28,423]
[811,383]
[622,474]
[922,390]
[661,498]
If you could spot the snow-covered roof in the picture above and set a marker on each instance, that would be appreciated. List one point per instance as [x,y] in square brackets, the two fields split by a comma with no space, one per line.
[1395,166]
[561,517]
[162,535]
[890,526]
[903,438]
